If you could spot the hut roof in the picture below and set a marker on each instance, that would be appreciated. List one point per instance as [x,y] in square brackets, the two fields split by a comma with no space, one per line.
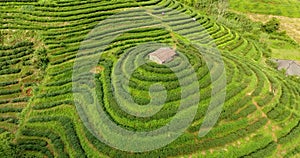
[163,54]
[292,68]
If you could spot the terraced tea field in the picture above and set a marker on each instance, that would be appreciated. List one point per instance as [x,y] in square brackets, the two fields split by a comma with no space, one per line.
[93,46]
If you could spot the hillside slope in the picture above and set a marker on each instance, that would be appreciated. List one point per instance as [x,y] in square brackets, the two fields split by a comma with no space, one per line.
[260,116]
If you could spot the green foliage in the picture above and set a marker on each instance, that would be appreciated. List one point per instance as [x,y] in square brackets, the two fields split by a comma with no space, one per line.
[69,127]
[294,132]
[64,24]
[208,6]
[289,8]
[272,63]
[1,37]
[239,22]
[41,60]
[271,26]
[7,149]
[265,151]
[55,138]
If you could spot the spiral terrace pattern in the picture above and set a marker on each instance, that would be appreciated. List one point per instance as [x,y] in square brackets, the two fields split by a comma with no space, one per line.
[260,116]
[98,40]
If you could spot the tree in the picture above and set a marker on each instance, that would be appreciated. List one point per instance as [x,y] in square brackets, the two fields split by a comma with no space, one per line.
[272,25]
[41,60]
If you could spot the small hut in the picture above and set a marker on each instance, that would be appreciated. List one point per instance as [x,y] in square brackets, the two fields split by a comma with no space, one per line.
[291,67]
[162,55]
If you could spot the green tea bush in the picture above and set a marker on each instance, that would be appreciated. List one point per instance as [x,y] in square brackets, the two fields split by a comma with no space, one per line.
[271,26]
[17,100]
[9,91]
[55,139]
[10,109]
[3,84]
[10,71]
[52,104]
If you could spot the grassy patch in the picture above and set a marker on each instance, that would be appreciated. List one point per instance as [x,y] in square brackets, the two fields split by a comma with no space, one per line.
[290,54]
[289,8]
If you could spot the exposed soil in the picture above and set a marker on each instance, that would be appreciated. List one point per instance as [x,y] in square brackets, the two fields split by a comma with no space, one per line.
[28,92]
[97,69]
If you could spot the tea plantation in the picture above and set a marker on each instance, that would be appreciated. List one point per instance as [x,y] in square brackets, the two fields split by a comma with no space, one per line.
[38,108]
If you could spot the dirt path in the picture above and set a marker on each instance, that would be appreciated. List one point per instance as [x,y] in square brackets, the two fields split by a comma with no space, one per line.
[175,40]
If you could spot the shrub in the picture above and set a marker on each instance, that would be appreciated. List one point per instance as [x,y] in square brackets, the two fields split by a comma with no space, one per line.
[272,63]
[6,148]
[16,100]
[9,71]
[55,138]
[1,38]
[291,135]
[52,104]
[41,59]
[7,83]
[9,109]
[10,91]
[271,26]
